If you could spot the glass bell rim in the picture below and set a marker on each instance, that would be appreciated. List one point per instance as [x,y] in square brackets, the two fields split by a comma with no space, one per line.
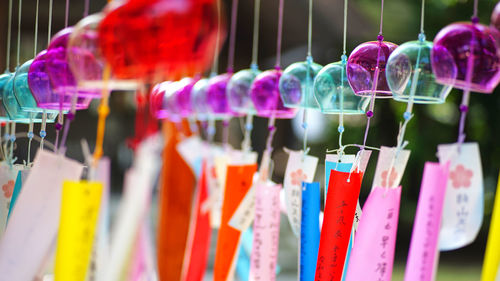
[278,114]
[242,111]
[344,112]
[41,110]
[302,106]
[420,99]
[379,94]
[80,92]
[463,85]
[65,106]
[111,84]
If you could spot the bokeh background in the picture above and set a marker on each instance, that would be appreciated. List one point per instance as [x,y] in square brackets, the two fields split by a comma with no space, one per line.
[432,124]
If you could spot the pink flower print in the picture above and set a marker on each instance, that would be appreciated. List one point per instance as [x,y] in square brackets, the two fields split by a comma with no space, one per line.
[298,177]
[389,179]
[8,188]
[461,176]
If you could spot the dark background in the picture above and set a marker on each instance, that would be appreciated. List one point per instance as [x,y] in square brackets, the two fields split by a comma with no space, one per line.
[432,124]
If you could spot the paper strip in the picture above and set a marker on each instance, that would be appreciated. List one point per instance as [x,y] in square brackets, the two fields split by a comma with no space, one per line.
[198,245]
[299,169]
[77,224]
[139,183]
[243,264]
[309,230]
[33,224]
[238,182]
[101,246]
[244,214]
[8,175]
[337,224]
[142,267]
[15,193]
[422,257]
[138,267]
[372,256]
[176,192]
[463,203]
[389,171]
[266,228]
[491,265]
[189,149]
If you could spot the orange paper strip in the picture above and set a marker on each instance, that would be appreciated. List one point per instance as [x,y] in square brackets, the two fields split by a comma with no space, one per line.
[238,182]
[176,194]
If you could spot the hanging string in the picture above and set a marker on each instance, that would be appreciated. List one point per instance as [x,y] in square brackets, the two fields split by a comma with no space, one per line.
[30,139]
[309,61]
[309,29]
[30,127]
[343,58]
[12,141]
[264,170]
[103,112]
[246,144]
[49,33]
[232,38]
[9,32]
[255,47]
[60,119]
[344,42]
[6,136]
[215,64]
[474,15]
[66,14]
[36,28]
[43,132]
[12,136]
[280,30]
[422,13]
[86,8]
[19,33]
[230,67]
[464,106]
[6,139]
[369,113]
[381,16]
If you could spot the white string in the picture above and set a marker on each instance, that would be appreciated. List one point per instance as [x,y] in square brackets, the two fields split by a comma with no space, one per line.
[9,33]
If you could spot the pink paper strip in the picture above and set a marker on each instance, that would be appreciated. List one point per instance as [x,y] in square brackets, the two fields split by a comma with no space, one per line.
[372,257]
[266,227]
[423,247]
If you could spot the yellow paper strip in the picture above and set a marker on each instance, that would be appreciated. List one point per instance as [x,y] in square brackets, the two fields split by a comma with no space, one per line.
[77,224]
[492,256]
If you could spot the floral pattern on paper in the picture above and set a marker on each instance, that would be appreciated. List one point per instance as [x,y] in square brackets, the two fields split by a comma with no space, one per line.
[298,177]
[461,177]
[389,179]
[8,189]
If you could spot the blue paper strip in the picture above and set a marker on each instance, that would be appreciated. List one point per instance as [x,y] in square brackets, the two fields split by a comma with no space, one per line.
[341,167]
[309,230]
[243,263]
[15,193]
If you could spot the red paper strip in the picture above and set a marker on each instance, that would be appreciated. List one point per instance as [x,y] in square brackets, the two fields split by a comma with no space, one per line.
[196,257]
[238,182]
[343,192]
